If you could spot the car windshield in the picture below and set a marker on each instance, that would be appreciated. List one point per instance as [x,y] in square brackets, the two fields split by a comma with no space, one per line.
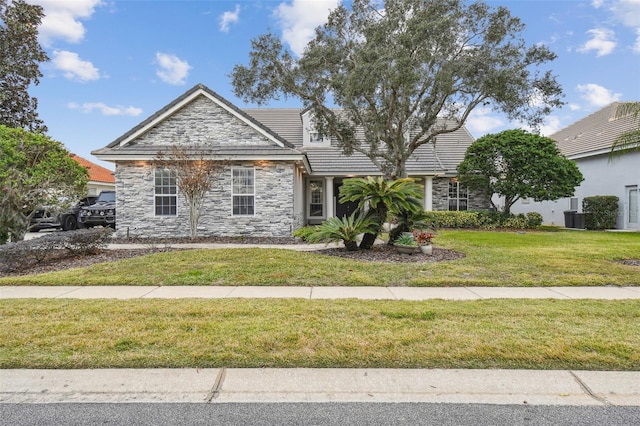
[107,197]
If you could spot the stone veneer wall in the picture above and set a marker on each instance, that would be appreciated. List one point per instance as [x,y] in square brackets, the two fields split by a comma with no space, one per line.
[202,122]
[477,201]
[273,204]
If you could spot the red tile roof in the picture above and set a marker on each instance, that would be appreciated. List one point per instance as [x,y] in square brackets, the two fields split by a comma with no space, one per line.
[96,173]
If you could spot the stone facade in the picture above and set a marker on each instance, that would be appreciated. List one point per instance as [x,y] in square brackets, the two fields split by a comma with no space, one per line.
[273,216]
[476,201]
[202,122]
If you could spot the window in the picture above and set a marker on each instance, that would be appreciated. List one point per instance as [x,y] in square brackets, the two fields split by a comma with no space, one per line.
[315,137]
[165,192]
[573,204]
[243,191]
[316,198]
[458,196]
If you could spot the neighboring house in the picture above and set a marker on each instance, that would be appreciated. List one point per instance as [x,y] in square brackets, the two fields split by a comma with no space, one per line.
[588,142]
[100,178]
[282,174]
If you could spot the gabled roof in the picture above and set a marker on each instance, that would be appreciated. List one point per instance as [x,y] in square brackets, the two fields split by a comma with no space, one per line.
[125,144]
[96,173]
[594,134]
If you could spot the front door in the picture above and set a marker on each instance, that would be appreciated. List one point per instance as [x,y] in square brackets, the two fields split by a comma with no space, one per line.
[342,209]
[632,207]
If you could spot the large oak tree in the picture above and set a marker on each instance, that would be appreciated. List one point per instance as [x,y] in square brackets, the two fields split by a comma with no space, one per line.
[20,55]
[393,68]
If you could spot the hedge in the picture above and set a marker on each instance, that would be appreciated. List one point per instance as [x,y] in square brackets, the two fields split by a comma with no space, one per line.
[601,211]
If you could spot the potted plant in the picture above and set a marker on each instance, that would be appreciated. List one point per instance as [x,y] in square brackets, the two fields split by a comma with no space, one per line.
[424,240]
[405,244]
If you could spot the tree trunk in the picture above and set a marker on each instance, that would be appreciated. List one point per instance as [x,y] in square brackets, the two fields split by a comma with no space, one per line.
[367,241]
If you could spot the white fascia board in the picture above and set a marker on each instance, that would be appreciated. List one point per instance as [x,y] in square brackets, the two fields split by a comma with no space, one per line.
[186,101]
[589,154]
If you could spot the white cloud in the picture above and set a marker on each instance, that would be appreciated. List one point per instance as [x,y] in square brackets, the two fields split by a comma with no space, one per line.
[597,95]
[106,109]
[636,45]
[550,126]
[628,12]
[173,70]
[73,67]
[62,19]
[299,19]
[602,41]
[597,3]
[228,18]
[481,122]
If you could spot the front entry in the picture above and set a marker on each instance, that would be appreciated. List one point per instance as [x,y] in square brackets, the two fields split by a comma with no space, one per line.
[342,209]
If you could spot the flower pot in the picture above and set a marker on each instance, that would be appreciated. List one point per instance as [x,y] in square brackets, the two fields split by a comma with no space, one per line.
[405,249]
[427,249]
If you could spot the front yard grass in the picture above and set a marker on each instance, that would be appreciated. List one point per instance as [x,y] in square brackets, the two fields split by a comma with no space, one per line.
[492,259]
[529,334]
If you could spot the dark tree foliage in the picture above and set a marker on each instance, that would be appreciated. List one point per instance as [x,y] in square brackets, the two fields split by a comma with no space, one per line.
[517,164]
[393,68]
[20,55]
[35,171]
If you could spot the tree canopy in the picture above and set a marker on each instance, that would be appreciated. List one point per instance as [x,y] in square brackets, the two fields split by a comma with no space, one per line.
[20,54]
[35,170]
[391,72]
[517,164]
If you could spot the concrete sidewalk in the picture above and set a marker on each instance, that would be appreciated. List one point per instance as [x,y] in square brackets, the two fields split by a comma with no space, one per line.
[550,387]
[318,293]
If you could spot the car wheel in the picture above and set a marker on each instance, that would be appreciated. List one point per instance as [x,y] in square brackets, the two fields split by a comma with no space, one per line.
[69,223]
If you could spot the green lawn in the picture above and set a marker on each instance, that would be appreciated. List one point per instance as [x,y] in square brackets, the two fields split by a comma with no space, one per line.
[492,259]
[531,334]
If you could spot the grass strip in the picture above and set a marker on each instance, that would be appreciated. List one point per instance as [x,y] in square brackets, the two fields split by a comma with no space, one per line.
[492,259]
[529,334]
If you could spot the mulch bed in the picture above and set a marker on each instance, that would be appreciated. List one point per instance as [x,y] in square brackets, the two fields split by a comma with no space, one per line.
[61,260]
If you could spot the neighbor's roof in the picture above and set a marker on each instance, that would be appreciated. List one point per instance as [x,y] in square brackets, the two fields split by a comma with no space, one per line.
[594,134]
[96,173]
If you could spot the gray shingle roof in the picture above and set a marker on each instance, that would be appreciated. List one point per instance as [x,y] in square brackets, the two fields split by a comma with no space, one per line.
[448,152]
[594,133]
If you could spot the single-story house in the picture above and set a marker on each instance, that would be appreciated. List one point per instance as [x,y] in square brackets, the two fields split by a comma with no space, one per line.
[100,178]
[588,142]
[281,173]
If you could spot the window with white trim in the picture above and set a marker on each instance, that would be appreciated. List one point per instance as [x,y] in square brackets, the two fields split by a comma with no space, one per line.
[315,193]
[166,190]
[458,196]
[243,191]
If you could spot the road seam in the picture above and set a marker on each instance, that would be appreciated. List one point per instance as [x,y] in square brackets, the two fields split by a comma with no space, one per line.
[587,390]
[215,390]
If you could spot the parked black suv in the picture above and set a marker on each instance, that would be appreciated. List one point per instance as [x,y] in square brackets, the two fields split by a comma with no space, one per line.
[102,213]
[54,218]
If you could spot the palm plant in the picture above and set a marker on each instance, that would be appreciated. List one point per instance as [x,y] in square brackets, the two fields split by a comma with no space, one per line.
[376,196]
[344,229]
[628,141]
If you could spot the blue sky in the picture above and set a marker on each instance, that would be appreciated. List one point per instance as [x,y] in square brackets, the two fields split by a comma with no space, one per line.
[114,63]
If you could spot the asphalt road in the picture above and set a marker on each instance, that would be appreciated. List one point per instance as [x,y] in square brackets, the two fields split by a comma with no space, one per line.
[308,414]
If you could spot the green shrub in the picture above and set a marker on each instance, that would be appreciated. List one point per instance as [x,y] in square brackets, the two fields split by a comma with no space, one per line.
[304,232]
[534,220]
[483,220]
[601,212]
